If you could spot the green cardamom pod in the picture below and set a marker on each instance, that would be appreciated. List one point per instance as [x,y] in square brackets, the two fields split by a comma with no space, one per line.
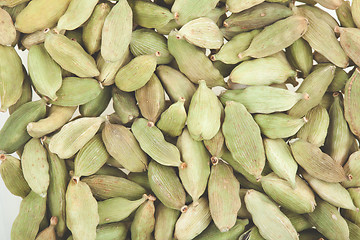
[26,95]
[144,221]
[352,169]
[344,15]
[97,106]
[165,220]
[299,221]
[300,55]
[124,104]
[49,232]
[213,233]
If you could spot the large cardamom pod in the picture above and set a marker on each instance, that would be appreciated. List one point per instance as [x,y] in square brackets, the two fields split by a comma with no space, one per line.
[97,106]
[344,15]
[124,104]
[165,220]
[213,233]
[144,221]
[7,29]
[173,119]
[350,102]
[352,169]
[299,221]
[26,95]
[300,55]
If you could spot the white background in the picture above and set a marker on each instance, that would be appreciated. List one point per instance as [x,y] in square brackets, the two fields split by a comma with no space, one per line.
[9,204]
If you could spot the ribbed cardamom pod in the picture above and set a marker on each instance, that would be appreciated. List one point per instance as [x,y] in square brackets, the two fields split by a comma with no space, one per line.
[49,232]
[353,215]
[263,99]
[216,145]
[199,66]
[352,169]
[354,230]
[13,134]
[326,101]
[355,10]
[29,40]
[274,224]
[71,56]
[116,32]
[251,234]
[213,233]
[204,113]
[224,196]
[349,40]
[218,15]
[117,209]
[74,135]
[29,20]
[32,211]
[321,37]
[245,179]
[104,187]
[330,4]
[26,95]
[243,138]
[165,220]
[316,163]
[140,178]
[124,104]
[299,221]
[7,29]
[315,85]
[279,125]
[195,220]
[344,15]
[167,28]
[340,79]
[13,177]
[144,221]
[129,153]
[110,231]
[147,41]
[58,117]
[262,71]
[328,221]
[173,119]
[74,35]
[152,141]
[300,55]
[166,185]
[176,84]
[236,6]
[350,102]
[280,159]
[97,106]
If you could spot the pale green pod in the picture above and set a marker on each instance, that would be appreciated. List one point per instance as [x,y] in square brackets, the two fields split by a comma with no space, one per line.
[172,120]
[12,3]
[124,104]
[352,169]
[97,106]
[196,68]
[116,32]
[185,10]
[333,193]
[167,28]
[45,73]
[32,211]
[92,30]
[339,138]
[243,138]
[141,179]
[105,187]
[224,196]
[328,221]
[111,231]
[150,15]
[202,32]
[13,134]
[300,55]
[322,14]
[243,212]
[299,199]
[195,170]
[355,11]
[262,71]
[144,221]
[283,33]
[152,141]
[349,41]
[165,220]
[91,157]
[248,184]
[316,128]
[330,4]
[166,185]
[58,116]
[35,166]
[279,125]
[70,56]
[78,12]
[29,40]
[229,52]
[263,99]
[11,77]
[353,215]
[280,159]
[49,232]
[339,81]
[136,73]
[26,95]
[74,135]
[81,210]
[274,224]
[7,29]
[213,233]
[317,163]
[151,99]
[147,41]
[12,176]
[129,153]
[315,85]
[235,6]
[195,220]
[218,15]
[176,84]
[251,234]
[117,209]
[354,230]
[351,102]
[344,15]
[321,37]
[29,20]
[72,93]
[216,145]
[299,221]
[108,70]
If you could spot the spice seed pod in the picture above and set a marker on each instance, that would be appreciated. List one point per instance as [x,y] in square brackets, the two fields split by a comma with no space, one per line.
[236,6]
[300,55]
[251,234]
[144,221]
[26,95]
[7,29]
[350,102]
[49,232]
[344,15]
[165,220]
[216,145]
[124,104]
[299,221]
[352,169]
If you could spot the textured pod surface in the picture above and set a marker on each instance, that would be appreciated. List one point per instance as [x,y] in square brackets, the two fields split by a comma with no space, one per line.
[300,55]
[150,15]
[49,232]
[274,225]
[216,145]
[81,210]
[152,142]
[26,95]
[73,136]
[32,210]
[355,10]
[125,106]
[236,6]
[353,215]
[330,4]
[213,233]
[251,234]
[97,106]
[344,15]
[352,169]
[317,163]
[195,220]
[13,134]
[299,221]
[243,139]
[173,119]
[116,32]
[349,40]
[7,28]
[351,103]
[144,221]
[354,230]
[166,185]
[165,220]
[129,153]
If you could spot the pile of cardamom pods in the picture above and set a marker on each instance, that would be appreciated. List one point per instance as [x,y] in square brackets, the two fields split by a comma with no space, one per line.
[175,160]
